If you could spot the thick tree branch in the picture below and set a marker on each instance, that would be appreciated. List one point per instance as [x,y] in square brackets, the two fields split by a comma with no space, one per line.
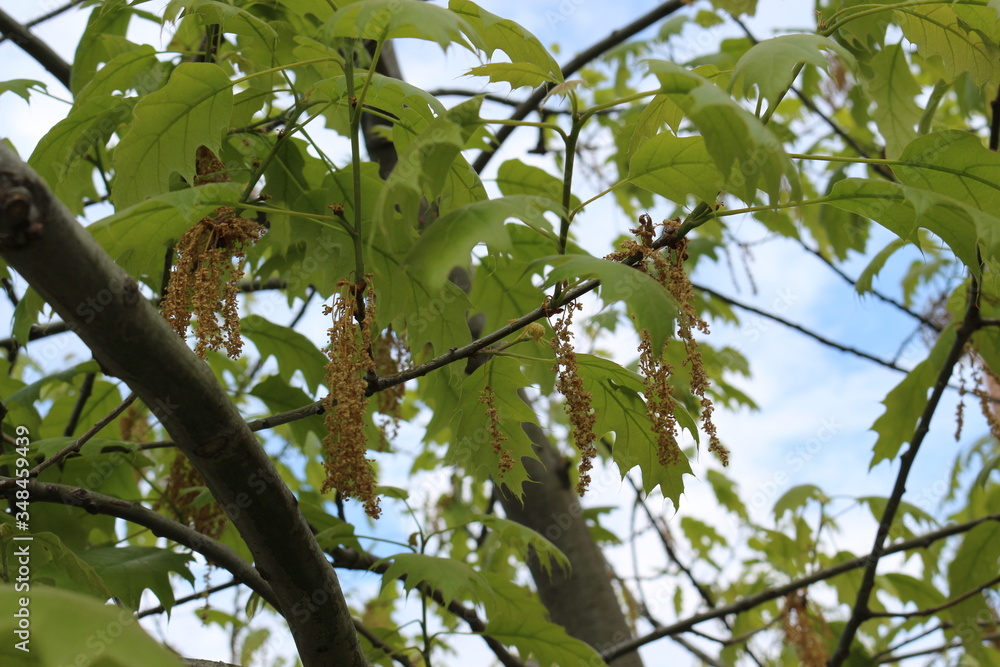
[582,59]
[751,601]
[40,239]
[36,48]
[970,323]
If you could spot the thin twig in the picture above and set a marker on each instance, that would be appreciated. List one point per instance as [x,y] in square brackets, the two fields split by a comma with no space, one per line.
[86,389]
[51,15]
[79,442]
[160,525]
[752,601]
[800,329]
[853,283]
[582,59]
[970,323]
[933,610]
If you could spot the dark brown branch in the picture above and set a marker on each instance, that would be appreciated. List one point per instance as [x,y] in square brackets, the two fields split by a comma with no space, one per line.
[36,48]
[86,389]
[583,58]
[969,325]
[751,601]
[933,610]
[160,525]
[51,15]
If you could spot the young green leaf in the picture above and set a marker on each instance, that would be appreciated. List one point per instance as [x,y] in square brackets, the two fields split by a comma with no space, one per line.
[193,109]
[772,64]
[448,242]
[397,19]
[520,46]
[675,168]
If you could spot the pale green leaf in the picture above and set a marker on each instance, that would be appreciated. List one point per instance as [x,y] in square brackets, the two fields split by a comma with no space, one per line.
[906,401]
[746,153]
[937,31]
[863,285]
[616,400]
[521,47]
[517,178]
[771,65]
[22,87]
[956,164]
[292,351]
[453,579]
[649,304]
[398,19]
[892,86]
[660,111]
[425,168]
[128,571]
[517,618]
[472,443]
[137,237]
[516,74]
[67,628]
[525,542]
[675,168]
[61,152]
[904,210]
[138,70]
[193,109]
[976,562]
[68,569]
[448,242]
[796,498]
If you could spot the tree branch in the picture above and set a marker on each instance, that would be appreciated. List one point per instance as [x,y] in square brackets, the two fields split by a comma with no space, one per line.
[970,323]
[350,559]
[160,525]
[36,48]
[752,601]
[583,58]
[799,328]
[41,240]
[933,610]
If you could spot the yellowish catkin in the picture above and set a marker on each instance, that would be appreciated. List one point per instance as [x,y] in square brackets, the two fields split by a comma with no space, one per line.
[569,383]
[347,468]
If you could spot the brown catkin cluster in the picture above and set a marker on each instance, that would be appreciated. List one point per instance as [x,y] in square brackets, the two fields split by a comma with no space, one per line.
[182,491]
[667,268]
[659,400]
[670,272]
[569,383]
[347,469]
[204,281]
[391,355]
[803,632]
[497,438]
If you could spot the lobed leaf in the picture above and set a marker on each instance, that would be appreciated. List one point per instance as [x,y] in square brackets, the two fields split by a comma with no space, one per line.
[193,109]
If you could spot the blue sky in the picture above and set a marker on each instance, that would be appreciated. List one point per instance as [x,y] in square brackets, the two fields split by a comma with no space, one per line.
[814,401]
